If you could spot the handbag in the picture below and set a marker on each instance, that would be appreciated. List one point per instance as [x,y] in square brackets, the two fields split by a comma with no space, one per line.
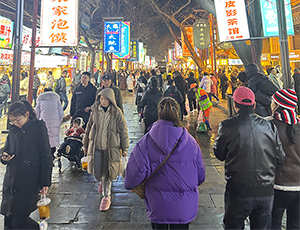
[140,189]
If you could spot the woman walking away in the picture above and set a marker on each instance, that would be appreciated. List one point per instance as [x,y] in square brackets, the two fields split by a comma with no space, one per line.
[49,109]
[106,134]
[287,178]
[27,155]
[150,101]
[172,193]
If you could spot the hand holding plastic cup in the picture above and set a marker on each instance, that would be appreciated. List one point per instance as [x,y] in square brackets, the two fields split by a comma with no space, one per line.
[44,207]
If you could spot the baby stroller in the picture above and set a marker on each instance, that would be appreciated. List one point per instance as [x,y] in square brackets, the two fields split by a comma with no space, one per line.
[72,150]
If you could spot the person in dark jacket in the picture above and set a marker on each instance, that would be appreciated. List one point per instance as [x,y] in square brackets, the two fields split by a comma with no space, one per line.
[191,94]
[287,179]
[181,85]
[223,83]
[172,193]
[35,87]
[28,160]
[4,94]
[107,83]
[158,76]
[139,94]
[234,79]
[83,98]
[173,92]
[150,101]
[251,148]
[296,77]
[262,87]
[61,89]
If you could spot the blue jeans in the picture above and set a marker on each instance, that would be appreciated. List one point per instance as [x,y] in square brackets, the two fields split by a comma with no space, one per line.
[238,208]
[64,98]
[290,201]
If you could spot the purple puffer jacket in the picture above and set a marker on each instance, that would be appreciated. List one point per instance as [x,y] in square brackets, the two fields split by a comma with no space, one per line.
[171,194]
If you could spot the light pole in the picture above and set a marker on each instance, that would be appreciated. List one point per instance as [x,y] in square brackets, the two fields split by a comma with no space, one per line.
[17,51]
[284,46]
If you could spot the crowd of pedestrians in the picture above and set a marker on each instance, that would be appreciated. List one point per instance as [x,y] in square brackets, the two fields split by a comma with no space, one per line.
[260,144]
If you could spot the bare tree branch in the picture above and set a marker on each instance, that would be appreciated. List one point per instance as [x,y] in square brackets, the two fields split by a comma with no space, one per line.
[182,8]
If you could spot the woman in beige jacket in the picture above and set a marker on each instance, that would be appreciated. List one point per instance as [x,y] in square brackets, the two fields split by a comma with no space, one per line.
[105,141]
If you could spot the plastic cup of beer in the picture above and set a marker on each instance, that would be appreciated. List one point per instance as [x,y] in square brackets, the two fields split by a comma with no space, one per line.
[44,207]
[84,163]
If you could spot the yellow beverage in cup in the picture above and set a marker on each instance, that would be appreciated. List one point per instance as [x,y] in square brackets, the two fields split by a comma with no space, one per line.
[84,163]
[44,208]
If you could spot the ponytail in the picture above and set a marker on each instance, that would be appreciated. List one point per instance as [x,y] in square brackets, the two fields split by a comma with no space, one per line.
[168,109]
[20,108]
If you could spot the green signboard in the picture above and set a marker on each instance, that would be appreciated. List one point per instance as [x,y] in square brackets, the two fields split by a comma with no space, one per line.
[201,33]
[269,17]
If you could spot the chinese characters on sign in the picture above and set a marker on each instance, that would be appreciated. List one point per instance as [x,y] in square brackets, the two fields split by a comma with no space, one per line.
[232,20]
[6,32]
[134,50]
[59,23]
[125,42]
[201,33]
[112,37]
[185,50]
[269,17]
[178,51]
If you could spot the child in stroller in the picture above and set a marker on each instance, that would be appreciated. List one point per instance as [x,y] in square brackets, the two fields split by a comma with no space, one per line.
[71,148]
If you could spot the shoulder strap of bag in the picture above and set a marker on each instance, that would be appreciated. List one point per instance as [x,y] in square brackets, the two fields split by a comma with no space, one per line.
[162,163]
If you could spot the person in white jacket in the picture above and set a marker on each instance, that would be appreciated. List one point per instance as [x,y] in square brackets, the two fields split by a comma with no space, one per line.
[50,110]
[206,83]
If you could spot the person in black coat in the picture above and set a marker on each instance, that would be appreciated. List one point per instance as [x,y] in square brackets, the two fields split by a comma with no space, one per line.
[296,77]
[191,94]
[150,101]
[83,98]
[262,87]
[173,92]
[181,85]
[224,83]
[28,160]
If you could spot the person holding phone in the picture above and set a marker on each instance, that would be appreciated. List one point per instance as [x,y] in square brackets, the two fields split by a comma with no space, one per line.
[27,154]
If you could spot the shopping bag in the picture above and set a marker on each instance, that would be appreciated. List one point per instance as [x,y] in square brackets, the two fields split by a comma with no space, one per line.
[202,127]
[124,162]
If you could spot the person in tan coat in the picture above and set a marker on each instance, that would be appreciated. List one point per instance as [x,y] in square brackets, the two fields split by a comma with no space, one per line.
[105,141]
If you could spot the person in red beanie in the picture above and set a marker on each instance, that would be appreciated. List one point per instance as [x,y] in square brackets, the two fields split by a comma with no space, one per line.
[287,180]
[251,149]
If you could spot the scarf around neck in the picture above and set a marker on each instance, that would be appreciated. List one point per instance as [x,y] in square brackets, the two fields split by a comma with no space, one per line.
[287,116]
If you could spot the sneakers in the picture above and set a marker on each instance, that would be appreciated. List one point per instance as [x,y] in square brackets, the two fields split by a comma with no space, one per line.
[43,225]
[68,148]
[100,187]
[105,203]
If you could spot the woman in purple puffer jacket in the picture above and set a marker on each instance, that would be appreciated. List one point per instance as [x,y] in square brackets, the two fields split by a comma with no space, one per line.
[172,193]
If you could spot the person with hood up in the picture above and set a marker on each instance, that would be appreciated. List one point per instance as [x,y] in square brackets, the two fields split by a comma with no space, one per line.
[150,101]
[106,139]
[287,177]
[171,195]
[262,87]
[61,89]
[49,109]
[27,156]
[173,92]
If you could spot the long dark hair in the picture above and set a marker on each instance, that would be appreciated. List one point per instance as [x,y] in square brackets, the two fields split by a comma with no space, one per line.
[20,108]
[168,109]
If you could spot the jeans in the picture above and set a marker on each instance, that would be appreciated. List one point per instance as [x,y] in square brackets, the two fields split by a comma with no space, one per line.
[20,222]
[34,96]
[63,98]
[169,226]
[238,208]
[192,104]
[290,201]
[101,170]
[210,95]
